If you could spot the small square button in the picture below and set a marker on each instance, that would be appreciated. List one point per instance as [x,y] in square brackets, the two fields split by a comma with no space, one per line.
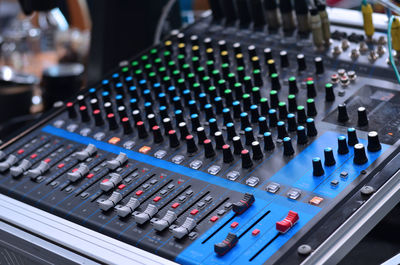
[316,201]
[144,149]
[114,140]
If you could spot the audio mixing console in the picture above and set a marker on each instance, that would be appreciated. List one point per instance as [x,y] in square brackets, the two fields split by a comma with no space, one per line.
[230,142]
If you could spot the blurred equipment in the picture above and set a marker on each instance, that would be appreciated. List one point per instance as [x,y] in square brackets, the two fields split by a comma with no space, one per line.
[61,82]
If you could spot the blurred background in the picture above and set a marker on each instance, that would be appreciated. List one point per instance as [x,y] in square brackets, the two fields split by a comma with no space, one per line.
[50,49]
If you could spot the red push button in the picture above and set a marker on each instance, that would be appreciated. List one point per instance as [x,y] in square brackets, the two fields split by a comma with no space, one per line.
[255,232]
[175,205]
[61,165]
[47,160]
[156,199]
[194,212]
[214,218]
[33,156]
[90,175]
[139,192]
[120,187]
[234,224]
[20,151]
[287,223]
[104,180]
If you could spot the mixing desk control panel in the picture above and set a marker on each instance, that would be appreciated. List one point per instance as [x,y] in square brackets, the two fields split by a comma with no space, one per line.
[224,144]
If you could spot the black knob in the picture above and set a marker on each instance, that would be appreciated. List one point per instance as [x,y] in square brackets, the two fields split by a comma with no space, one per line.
[237,109]
[244,120]
[311,129]
[287,146]
[231,131]
[268,141]
[219,139]
[81,100]
[273,119]
[71,110]
[136,115]
[268,55]
[262,125]
[282,110]
[208,148]
[246,159]
[151,118]
[311,91]
[157,135]
[362,116]
[291,120]
[301,62]
[301,114]
[271,66]
[257,153]
[213,126]
[284,59]
[274,99]
[142,132]
[282,132]
[319,65]
[360,157]
[248,132]
[227,116]
[374,144]
[201,134]
[352,136]
[254,113]
[311,109]
[126,125]
[195,121]
[112,123]
[163,112]
[275,83]
[292,101]
[318,170]
[227,154]
[173,139]
[342,113]
[209,111]
[167,125]
[183,130]
[264,106]
[237,145]
[301,135]
[293,89]
[329,158]
[84,113]
[191,144]
[329,93]
[342,145]
[98,119]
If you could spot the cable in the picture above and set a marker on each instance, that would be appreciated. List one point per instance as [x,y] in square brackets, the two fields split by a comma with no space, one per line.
[389,41]
[164,14]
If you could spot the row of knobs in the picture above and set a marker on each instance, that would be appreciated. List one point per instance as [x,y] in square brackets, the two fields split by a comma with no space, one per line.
[360,156]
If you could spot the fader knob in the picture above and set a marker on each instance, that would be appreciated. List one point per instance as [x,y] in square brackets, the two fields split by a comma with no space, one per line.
[318,170]
[362,116]
[374,144]
[360,157]
[227,154]
[246,159]
[191,144]
[329,158]
[287,146]
[342,113]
